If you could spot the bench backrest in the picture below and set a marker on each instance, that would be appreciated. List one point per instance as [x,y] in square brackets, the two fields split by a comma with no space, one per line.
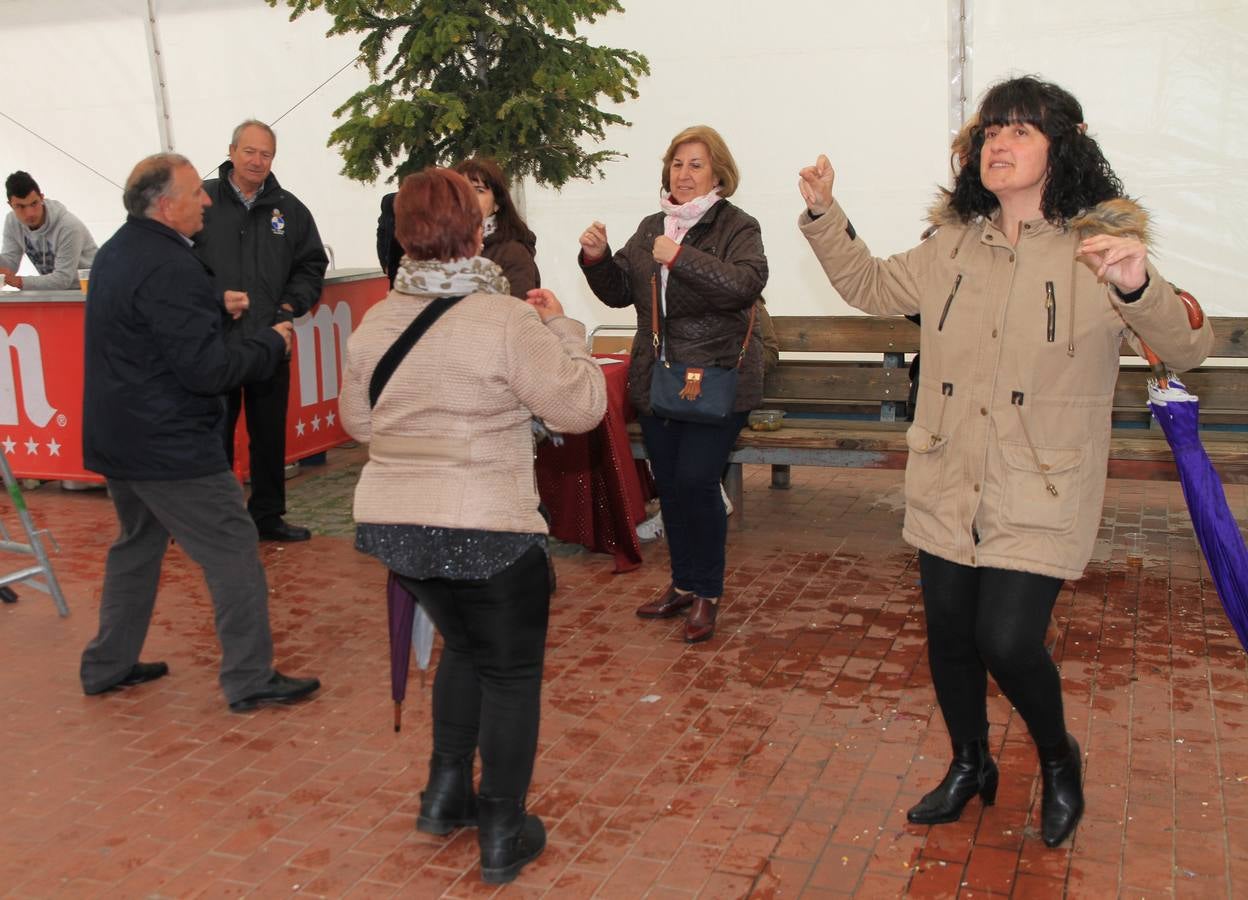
[867,386]
[860,385]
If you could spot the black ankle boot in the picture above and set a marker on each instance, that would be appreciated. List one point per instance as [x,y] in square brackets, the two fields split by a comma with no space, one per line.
[447,802]
[971,772]
[509,838]
[1061,803]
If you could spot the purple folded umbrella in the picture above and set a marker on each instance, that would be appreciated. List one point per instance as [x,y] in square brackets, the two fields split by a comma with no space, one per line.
[410,626]
[1218,533]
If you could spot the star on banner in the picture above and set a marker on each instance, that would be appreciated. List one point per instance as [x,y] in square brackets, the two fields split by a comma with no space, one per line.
[32,447]
[299,427]
[54,449]
[9,445]
[329,420]
[316,423]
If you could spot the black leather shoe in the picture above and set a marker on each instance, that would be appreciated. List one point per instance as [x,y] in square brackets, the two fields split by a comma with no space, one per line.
[139,673]
[971,772]
[279,689]
[1061,801]
[281,530]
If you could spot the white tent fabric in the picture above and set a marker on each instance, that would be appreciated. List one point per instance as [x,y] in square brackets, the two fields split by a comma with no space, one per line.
[1162,85]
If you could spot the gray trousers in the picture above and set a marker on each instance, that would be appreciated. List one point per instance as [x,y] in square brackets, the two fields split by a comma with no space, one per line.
[208,519]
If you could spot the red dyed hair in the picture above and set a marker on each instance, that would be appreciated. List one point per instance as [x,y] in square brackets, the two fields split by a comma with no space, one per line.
[436,216]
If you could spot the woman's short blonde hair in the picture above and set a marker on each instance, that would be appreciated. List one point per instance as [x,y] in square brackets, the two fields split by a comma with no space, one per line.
[722,164]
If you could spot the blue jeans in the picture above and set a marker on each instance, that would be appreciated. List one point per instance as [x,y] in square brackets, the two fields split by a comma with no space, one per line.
[688,460]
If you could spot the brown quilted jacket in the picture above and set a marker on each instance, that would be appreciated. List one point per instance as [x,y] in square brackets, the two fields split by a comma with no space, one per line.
[720,272]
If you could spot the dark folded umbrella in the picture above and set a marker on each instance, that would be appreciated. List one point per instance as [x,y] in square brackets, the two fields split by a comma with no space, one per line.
[1216,529]
[409,625]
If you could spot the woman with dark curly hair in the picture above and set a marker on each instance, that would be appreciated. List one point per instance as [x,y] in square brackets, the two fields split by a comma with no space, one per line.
[509,243]
[1034,271]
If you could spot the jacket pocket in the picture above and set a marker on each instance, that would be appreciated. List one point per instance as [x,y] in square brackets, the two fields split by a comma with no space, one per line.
[1041,491]
[925,467]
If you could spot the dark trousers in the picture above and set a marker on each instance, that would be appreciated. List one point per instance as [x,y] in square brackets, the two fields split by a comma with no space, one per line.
[207,518]
[488,690]
[984,620]
[265,402]
[687,459]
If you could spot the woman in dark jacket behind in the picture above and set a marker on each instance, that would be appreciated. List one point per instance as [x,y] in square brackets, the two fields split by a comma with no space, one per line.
[705,259]
[509,243]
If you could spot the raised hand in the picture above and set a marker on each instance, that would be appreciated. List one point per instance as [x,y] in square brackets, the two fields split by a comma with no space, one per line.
[594,242]
[815,184]
[1122,261]
[545,302]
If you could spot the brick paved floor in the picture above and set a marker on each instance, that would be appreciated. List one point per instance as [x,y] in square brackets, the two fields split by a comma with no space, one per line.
[774,761]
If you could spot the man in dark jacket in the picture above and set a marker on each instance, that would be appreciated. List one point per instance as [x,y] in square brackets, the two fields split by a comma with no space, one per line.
[389,252]
[155,369]
[258,238]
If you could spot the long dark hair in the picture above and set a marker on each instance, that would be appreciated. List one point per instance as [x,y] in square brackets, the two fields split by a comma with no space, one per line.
[1079,176]
[507,222]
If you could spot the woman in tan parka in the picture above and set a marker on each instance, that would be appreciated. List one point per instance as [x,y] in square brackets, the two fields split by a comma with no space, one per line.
[1035,271]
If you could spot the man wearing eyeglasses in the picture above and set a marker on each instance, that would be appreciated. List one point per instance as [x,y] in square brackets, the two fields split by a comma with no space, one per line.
[53,238]
[260,239]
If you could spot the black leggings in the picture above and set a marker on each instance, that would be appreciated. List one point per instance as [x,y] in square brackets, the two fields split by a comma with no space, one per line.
[982,620]
[488,689]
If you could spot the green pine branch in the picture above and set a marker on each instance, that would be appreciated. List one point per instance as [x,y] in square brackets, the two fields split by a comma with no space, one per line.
[510,79]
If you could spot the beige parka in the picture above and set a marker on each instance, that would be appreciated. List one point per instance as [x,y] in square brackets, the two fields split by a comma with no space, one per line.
[1020,349]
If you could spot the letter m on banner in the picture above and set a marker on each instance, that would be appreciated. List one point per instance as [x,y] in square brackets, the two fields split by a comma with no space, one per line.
[321,345]
[23,341]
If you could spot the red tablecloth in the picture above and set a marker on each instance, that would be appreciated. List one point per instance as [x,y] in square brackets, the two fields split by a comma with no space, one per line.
[595,491]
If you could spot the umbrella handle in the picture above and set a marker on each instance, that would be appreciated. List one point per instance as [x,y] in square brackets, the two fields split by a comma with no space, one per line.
[1154,363]
[1195,315]
[1195,318]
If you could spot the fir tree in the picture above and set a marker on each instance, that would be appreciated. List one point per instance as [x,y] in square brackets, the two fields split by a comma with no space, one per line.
[509,79]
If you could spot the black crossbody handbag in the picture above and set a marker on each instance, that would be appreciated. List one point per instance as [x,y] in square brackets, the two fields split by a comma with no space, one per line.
[703,394]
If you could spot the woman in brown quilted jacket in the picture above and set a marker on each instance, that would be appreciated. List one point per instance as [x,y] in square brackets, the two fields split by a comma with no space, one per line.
[508,241]
[1035,271]
[701,259]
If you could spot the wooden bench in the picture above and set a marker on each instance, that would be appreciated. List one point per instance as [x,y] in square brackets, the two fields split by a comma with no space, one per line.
[847,412]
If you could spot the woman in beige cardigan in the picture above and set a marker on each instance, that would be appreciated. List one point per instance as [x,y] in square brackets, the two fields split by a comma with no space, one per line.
[448,500]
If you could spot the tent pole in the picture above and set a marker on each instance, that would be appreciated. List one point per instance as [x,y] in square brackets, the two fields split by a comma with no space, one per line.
[959,42]
[160,89]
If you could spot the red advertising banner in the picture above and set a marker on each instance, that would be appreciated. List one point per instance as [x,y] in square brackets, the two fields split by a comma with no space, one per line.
[41,372]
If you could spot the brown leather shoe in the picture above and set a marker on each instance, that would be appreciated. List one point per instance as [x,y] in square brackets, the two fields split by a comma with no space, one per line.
[700,626]
[671,603]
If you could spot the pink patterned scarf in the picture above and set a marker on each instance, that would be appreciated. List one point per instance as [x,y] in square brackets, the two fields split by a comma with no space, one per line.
[678,219]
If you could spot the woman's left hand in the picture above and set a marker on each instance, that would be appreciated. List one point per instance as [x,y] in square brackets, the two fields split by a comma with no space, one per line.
[665,250]
[545,302]
[1122,261]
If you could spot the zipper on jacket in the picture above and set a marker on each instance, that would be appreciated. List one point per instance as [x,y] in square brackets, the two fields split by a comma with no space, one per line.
[1050,308]
[1016,400]
[944,313]
[1074,296]
[946,391]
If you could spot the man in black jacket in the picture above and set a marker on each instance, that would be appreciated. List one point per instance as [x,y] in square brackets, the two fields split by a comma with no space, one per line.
[258,238]
[156,366]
